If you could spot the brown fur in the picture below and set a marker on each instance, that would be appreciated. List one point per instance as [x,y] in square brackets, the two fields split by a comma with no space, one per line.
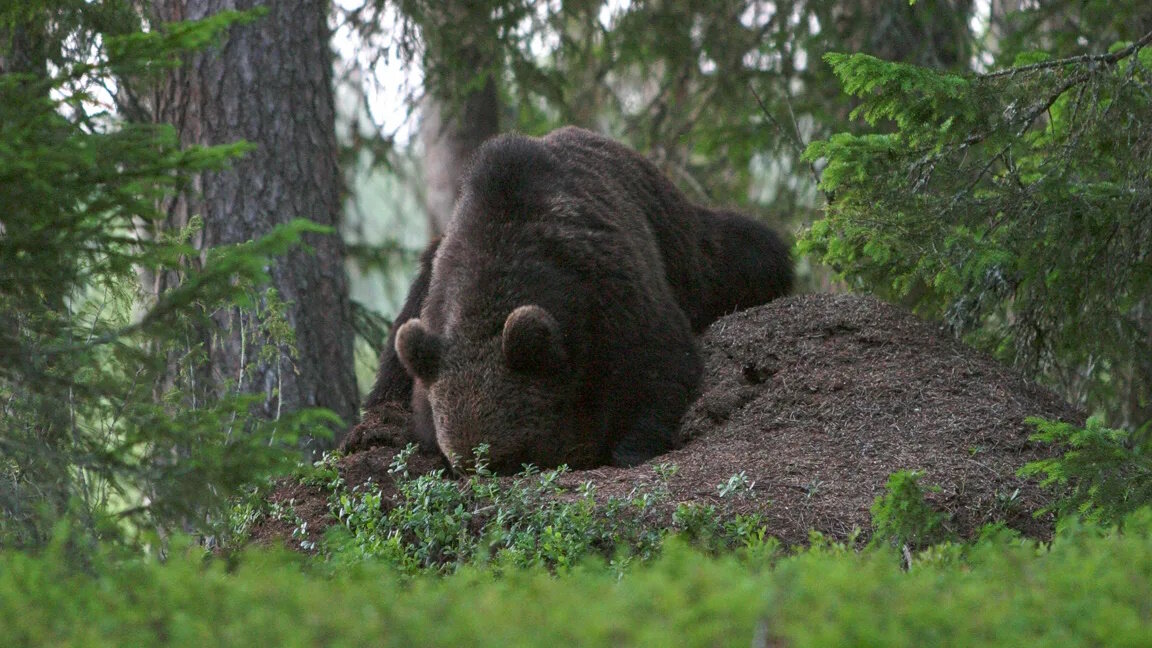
[556,318]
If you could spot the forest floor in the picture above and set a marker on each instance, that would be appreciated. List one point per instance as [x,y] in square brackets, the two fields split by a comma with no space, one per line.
[816,399]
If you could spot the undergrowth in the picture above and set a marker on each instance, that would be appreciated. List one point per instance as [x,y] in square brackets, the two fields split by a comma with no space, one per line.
[436,524]
[902,517]
[1089,586]
[431,523]
[1103,473]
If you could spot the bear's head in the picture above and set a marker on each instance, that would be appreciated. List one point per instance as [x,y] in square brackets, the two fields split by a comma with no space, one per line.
[516,391]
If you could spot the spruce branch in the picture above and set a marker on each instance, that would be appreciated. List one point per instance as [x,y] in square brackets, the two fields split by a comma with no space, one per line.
[1107,59]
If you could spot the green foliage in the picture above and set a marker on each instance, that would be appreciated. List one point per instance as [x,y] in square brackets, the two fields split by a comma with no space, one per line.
[905,94]
[96,433]
[1085,588]
[706,527]
[722,94]
[139,52]
[1016,206]
[440,524]
[432,523]
[901,516]
[1104,475]
[1005,592]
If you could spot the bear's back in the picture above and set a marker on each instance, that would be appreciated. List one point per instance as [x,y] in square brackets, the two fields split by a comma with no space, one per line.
[622,176]
[573,202]
[572,222]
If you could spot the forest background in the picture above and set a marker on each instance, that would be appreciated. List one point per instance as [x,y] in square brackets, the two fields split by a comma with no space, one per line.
[209,210]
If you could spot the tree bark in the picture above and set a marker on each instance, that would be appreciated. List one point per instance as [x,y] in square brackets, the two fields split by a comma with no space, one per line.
[23,50]
[269,83]
[933,33]
[451,134]
[461,107]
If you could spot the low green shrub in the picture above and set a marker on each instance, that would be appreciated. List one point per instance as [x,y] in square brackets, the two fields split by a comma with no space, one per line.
[902,517]
[440,524]
[1088,587]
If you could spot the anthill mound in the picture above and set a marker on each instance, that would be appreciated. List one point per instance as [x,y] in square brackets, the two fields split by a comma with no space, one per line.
[816,399]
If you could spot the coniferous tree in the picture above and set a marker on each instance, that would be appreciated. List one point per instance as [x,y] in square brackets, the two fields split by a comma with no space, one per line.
[269,83]
[89,416]
[1014,204]
[461,104]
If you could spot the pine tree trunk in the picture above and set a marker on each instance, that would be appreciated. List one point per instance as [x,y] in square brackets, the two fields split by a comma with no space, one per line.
[40,486]
[23,50]
[932,33]
[269,83]
[451,134]
[462,106]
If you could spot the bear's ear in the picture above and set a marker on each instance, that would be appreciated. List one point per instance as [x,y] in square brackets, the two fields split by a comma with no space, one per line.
[419,350]
[532,340]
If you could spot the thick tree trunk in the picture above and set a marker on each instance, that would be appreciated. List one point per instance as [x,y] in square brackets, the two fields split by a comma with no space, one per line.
[451,133]
[40,433]
[23,50]
[932,33]
[461,107]
[269,83]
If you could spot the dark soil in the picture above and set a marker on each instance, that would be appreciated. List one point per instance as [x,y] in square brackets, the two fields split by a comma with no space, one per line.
[817,399]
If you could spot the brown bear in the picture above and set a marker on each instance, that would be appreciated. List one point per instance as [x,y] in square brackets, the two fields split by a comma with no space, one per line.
[555,320]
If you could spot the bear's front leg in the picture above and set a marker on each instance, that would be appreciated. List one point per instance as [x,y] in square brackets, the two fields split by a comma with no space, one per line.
[658,401]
